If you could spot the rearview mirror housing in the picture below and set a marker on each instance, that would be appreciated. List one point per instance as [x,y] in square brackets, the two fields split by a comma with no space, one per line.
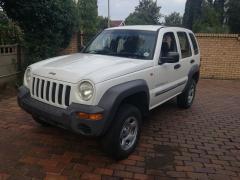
[172,57]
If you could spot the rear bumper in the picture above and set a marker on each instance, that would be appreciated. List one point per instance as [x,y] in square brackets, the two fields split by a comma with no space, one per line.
[65,118]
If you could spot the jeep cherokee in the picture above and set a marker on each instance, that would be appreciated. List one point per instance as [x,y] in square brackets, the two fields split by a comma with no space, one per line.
[107,89]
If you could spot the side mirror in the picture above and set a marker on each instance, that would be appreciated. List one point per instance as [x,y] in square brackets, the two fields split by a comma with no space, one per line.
[172,57]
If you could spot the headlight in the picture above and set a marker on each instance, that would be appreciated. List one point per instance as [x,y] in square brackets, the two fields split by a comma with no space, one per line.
[27,76]
[86,90]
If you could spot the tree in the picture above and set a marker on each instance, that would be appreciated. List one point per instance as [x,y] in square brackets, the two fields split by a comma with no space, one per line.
[233,16]
[102,23]
[146,13]
[219,6]
[88,17]
[174,19]
[192,12]
[209,21]
[10,32]
[47,25]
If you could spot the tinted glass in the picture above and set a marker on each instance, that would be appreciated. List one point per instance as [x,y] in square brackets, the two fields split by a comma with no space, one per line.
[194,43]
[184,44]
[168,44]
[124,43]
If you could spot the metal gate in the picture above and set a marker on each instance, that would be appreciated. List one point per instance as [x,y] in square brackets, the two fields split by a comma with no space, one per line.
[10,63]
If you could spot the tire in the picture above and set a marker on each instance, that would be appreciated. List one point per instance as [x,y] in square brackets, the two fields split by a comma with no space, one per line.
[40,122]
[185,100]
[125,128]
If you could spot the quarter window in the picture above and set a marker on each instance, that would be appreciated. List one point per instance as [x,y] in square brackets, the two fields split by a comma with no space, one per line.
[194,43]
[184,44]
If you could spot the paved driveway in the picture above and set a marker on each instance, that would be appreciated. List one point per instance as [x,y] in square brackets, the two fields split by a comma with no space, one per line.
[200,143]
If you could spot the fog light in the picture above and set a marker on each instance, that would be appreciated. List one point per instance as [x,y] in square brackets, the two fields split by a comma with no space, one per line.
[94,117]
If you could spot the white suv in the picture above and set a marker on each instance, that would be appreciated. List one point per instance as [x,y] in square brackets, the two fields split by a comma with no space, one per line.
[109,87]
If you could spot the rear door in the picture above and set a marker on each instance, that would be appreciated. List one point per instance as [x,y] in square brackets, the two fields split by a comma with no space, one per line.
[186,54]
[195,49]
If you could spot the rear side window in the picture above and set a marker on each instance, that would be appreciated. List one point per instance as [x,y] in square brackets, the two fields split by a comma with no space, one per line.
[194,43]
[184,44]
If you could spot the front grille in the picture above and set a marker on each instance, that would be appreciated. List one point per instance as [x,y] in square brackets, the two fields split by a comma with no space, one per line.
[51,91]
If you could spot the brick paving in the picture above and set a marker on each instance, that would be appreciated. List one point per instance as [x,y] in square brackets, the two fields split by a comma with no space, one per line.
[200,143]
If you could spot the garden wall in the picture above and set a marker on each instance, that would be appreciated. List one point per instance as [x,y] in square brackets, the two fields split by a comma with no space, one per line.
[73,45]
[220,54]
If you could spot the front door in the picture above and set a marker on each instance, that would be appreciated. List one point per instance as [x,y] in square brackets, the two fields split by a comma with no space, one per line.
[169,79]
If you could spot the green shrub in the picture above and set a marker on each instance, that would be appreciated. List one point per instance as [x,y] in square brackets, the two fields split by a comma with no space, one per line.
[88,18]
[233,16]
[209,21]
[47,24]
[10,32]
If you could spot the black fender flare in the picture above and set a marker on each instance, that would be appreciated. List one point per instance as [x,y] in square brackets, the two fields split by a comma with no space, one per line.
[194,69]
[113,97]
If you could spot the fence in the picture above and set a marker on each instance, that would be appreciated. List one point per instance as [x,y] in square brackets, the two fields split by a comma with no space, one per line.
[10,63]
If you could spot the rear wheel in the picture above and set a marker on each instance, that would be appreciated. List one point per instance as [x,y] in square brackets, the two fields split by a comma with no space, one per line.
[121,139]
[185,100]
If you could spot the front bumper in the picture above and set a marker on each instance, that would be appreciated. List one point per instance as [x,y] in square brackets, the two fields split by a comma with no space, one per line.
[65,118]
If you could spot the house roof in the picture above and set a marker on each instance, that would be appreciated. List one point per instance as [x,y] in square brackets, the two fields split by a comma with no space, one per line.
[116,23]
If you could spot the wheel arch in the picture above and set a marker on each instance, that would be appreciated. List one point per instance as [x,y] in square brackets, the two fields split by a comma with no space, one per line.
[133,92]
[194,73]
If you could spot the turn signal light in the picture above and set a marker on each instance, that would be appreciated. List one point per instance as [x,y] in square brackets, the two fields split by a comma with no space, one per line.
[94,117]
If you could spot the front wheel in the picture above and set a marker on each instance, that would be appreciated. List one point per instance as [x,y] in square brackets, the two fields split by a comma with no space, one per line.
[122,137]
[185,100]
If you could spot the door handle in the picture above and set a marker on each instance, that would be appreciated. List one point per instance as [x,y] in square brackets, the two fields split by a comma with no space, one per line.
[192,61]
[177,66]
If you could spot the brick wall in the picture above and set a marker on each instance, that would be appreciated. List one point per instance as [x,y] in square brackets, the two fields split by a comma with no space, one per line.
[72,47]
[220,55]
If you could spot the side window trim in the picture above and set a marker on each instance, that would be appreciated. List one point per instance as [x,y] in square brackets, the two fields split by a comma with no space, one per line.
[189,42]
[175,38]
[196,42]
[178,45]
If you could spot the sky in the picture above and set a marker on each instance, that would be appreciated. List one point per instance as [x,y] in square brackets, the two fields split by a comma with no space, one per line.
[120,9]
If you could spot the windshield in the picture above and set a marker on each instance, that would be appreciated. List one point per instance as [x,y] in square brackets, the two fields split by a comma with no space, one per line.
[124,43]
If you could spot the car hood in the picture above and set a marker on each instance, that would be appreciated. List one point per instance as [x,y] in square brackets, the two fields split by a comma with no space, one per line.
[97,68]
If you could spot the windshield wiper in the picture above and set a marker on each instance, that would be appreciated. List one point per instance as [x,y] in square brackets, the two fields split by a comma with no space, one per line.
[131,55]
[109,53]
[103,52]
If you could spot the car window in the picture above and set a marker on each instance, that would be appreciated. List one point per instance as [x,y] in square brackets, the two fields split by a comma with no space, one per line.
[136,44]
[184,44]
[168,44]
[194,43]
